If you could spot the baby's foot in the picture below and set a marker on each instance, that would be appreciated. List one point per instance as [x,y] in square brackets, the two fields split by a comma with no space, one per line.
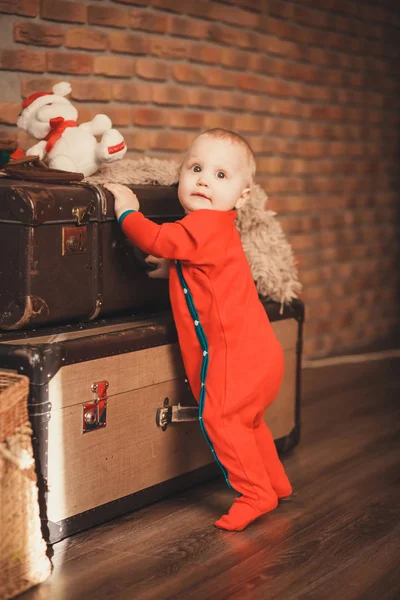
[242,513]
[283,491]
[281,485]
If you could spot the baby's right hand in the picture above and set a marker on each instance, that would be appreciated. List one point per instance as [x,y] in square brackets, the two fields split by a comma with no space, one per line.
[162,271]
[124,198]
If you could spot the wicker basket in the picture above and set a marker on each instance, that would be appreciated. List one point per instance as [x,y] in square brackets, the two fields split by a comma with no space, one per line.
[23,560]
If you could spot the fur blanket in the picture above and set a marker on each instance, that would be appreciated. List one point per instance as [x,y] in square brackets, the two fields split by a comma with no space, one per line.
[269,253]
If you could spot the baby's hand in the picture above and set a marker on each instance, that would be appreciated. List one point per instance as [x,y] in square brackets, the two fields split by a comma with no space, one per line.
[162,271]
[124,198]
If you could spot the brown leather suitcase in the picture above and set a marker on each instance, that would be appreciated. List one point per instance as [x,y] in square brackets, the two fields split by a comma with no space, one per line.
[64,258]
[114,420]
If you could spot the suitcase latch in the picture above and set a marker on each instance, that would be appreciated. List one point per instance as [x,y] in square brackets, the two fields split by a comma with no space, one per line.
[82,213]
[74,240]
[95,413]
[175,414]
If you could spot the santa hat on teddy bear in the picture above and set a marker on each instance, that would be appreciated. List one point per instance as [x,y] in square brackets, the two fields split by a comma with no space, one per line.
[35,101]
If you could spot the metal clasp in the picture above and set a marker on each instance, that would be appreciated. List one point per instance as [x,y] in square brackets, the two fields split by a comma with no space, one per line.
[82,213]
[175,414]
[95,413]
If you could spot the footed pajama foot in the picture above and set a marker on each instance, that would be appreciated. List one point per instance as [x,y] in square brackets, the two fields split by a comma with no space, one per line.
[242,514]
[284,491]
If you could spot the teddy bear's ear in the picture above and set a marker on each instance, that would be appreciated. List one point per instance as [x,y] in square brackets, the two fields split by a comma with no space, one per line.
[62,89]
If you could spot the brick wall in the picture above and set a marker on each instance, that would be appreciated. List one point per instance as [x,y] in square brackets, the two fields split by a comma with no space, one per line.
[315,91]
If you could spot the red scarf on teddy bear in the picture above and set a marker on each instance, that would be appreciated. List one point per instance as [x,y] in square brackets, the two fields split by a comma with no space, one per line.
[57,127]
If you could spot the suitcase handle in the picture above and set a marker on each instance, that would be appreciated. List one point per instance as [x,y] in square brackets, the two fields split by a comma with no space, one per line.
[140,256]
[125,246]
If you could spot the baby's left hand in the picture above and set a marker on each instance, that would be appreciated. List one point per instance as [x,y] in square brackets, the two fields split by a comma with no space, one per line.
[125,199]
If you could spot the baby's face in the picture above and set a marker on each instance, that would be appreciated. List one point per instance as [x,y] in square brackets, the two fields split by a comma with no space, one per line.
[214,175]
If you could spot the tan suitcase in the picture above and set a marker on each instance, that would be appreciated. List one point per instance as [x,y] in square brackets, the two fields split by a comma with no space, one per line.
[110,433]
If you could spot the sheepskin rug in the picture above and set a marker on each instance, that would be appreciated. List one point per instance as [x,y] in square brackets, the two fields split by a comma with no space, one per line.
[268,251]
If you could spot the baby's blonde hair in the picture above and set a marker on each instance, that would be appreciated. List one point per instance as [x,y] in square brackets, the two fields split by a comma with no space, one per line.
[235,138]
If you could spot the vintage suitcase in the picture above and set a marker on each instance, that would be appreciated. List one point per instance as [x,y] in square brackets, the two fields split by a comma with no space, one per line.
[105,404]
[58,239]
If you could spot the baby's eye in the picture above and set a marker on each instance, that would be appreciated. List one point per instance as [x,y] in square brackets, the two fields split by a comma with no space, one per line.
[196,169]
[221,175]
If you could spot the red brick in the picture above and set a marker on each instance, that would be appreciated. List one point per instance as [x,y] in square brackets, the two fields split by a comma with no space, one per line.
[231,15]
[138,140]
[152,69]
[187,73]
[38,35]
[259,6]
[217,119]
[205,54]
[108,16]
[169,47]
[167,5]
[220,78]
[87,39]
[237,58]
[25,8]
[149,21]
[311,18]
[282,28]
[23,60]
[139,2]
[278,87]
[313,92]
[232,36]
[131,92]
[275,45]
[87,90]
[278,185]
[190,28]
[249,81]
[81,64]
[187,119]
[151,117]
[119,115]
[301,242]
[9,113]
[272,165]
[200,97]
[326,112]
[227,99]
[129,43]
[292,204]
[30,85]
[285,127]
[281,9]
[245,123]
[68,12]
[114,66]
[321,56]
[166,140]
[168,94]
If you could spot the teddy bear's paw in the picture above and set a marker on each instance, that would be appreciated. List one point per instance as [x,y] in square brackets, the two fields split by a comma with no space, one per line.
[100,124]
[112,146]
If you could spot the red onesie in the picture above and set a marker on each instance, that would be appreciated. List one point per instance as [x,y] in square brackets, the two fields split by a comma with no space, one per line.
[233,360]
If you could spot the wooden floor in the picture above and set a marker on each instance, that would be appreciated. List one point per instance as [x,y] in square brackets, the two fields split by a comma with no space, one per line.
[337,538]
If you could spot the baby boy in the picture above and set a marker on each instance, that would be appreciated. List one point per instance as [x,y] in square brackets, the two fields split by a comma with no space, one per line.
[233,360]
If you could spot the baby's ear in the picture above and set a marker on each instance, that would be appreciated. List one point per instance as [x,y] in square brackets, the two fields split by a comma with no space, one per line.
[244,196]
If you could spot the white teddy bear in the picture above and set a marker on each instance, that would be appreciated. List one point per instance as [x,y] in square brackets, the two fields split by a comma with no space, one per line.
[51,118]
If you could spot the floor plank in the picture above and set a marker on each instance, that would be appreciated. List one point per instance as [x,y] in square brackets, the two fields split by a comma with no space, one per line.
[338,536]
